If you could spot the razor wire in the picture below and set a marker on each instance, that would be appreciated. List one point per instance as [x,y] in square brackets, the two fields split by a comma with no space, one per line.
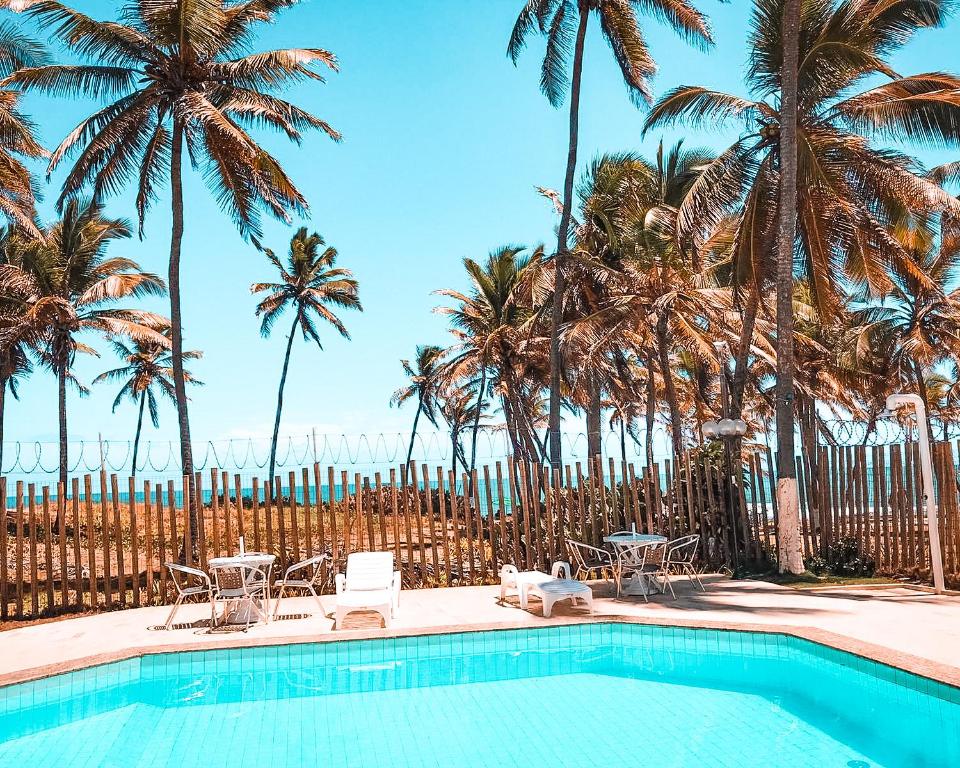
[253,453]
[292,450]
[880,431]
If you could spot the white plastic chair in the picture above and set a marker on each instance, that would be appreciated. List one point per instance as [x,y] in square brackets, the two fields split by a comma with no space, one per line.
[680,555]
[182,576]
[638,560]
[304,579]
[370,584]
[655,568]
[244,586]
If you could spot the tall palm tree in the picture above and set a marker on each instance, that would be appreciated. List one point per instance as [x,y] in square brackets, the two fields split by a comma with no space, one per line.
[310,285]
[424,376]
[72,286]
[178,73]
[17,188]
[790,556]
[147,371]
[846,189]
[564,25]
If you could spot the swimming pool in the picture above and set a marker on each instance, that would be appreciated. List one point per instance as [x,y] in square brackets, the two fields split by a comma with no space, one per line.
[604,694]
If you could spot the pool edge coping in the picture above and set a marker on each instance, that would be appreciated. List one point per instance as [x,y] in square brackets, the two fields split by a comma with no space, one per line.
[906,662]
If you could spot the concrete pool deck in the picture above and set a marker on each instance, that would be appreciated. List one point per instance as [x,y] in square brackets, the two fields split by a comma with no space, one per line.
[907,628]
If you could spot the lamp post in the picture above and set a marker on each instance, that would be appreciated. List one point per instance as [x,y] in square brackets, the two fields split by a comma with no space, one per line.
[926,470]
[728,430]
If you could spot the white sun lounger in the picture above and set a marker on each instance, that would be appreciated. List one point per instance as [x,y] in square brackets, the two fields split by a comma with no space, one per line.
[558,587]
[370,584]
[513,580]
[549,587]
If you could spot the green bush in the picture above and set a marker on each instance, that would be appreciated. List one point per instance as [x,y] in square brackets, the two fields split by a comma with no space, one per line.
[844,557]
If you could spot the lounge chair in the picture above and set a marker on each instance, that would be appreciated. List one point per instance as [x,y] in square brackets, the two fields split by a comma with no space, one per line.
[189,582]
[512,580]
[559,586]
[370,584]
[299,576]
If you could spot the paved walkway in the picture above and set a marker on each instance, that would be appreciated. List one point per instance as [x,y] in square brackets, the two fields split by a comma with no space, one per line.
[911,629]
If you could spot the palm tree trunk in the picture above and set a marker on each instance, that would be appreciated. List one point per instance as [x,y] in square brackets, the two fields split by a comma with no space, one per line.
[476,418]
[136,438]
[62,418]
[176,319]
[511,425]
[790,556]
[283,382]
[453,450]
[593,417]
[739,383]
[651,409]
[413,432]
[623,439]
[663,351]
[562,238]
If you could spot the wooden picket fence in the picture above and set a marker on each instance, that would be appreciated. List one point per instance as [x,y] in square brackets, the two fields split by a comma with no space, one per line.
[874,496]
[102,544]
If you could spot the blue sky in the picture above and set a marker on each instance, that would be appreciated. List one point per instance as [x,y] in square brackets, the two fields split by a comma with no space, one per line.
[444,143]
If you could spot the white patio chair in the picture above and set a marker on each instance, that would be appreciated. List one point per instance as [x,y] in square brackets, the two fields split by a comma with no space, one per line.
[189,582]
[639,561]
[680,555]
[370,584]
[242,587]
[299,576]
[655,568]
[587,559]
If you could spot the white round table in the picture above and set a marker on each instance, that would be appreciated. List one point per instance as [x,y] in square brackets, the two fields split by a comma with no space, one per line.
[239,615]
[638,584]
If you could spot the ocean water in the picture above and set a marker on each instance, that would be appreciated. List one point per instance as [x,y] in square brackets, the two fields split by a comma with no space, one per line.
[579,696]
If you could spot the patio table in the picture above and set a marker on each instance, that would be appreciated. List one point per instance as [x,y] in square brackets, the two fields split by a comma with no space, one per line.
[239,614]
[639,583]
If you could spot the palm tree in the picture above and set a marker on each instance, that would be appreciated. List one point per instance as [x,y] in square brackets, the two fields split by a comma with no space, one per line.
[178,73]
[914,329]
[460,407]
[657,300]
[15,362]
[15,365]
[564,24]
[147,371]
[424,378]
[790,556]
[70,286]
[17,193]
[493,343]
[310,284]
[846,188]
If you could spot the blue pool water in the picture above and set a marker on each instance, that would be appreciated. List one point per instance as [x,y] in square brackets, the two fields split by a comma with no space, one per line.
[588,695]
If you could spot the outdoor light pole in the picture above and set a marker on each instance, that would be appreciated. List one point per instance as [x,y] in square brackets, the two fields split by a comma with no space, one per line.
[926,470]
